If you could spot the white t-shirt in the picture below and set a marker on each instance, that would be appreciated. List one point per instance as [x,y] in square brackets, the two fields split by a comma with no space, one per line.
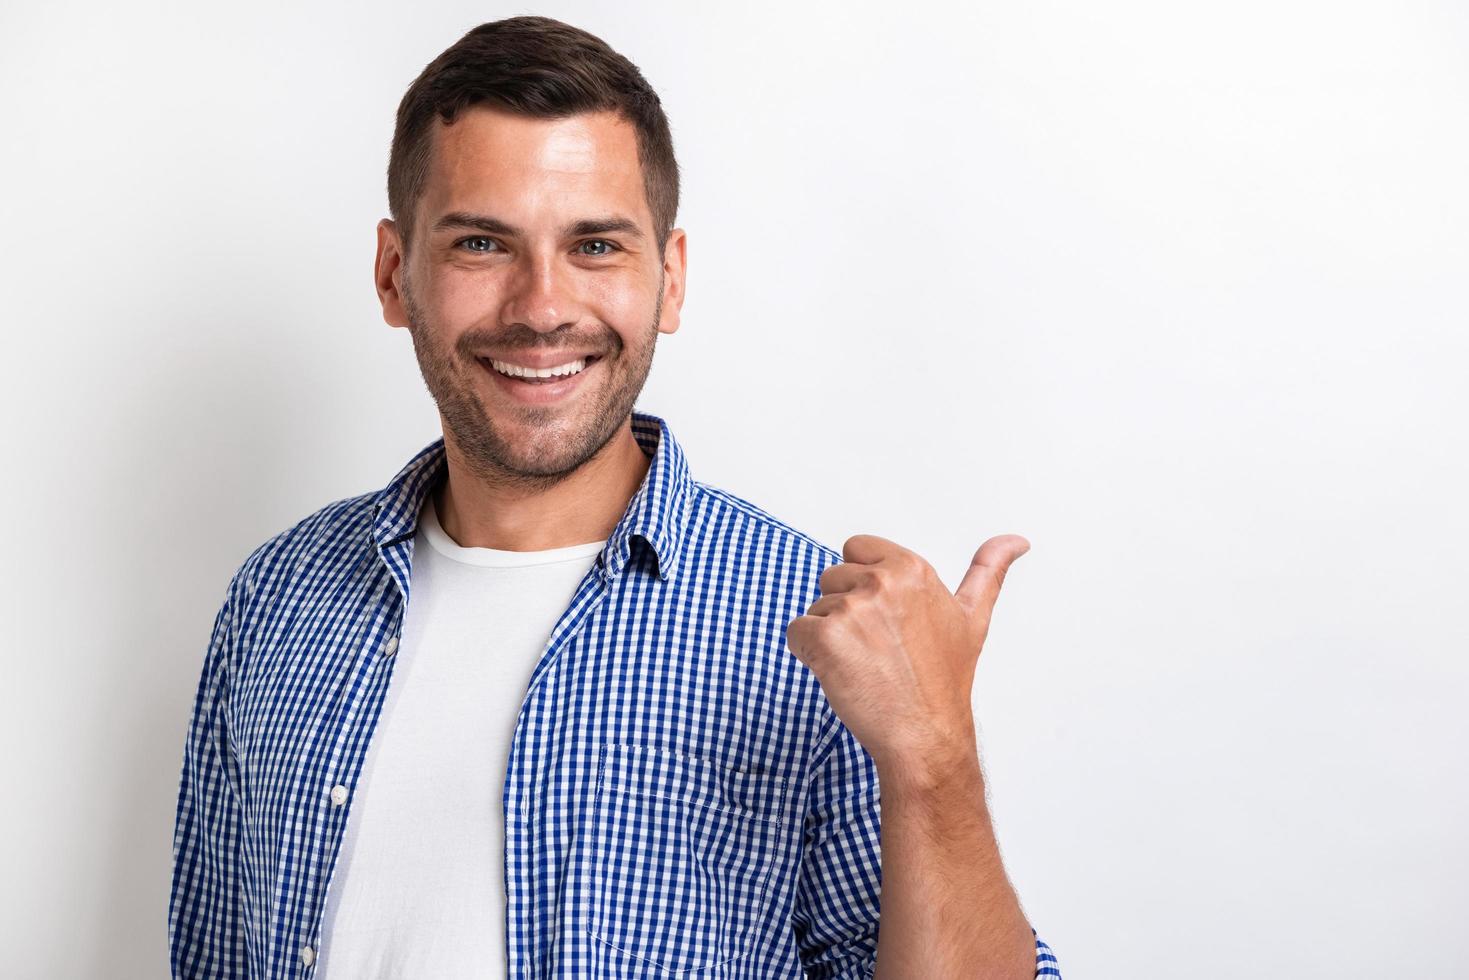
[419,886]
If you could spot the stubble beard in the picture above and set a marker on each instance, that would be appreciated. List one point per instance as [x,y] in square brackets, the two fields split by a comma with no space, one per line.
[528,460]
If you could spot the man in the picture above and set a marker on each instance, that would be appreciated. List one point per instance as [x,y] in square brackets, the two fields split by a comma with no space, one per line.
[615,732]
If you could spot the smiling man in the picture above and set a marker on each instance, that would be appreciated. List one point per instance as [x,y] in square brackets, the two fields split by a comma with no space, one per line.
[545,705]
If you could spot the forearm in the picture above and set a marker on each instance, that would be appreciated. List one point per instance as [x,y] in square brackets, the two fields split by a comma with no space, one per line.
[947,908]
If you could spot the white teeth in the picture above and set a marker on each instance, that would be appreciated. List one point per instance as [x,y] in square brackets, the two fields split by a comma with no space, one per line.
[516,371]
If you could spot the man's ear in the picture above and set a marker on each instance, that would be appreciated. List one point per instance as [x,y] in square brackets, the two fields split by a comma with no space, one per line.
[675,265]
[387,272]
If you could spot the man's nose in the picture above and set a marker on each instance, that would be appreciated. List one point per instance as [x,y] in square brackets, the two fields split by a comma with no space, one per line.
[540,294]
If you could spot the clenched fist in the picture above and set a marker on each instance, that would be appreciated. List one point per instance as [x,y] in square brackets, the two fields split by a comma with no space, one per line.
[894,651]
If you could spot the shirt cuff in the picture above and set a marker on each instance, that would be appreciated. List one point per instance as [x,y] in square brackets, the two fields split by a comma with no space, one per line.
[1045,960]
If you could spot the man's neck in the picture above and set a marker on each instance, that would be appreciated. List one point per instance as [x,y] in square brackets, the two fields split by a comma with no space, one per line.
[580,509]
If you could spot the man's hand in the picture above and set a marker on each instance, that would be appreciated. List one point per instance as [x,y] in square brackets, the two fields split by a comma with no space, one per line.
[894,652]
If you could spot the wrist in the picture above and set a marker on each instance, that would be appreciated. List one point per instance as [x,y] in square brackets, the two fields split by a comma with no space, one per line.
[938,763]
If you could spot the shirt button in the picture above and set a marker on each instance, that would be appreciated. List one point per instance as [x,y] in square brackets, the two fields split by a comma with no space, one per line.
[308,955]
[339,795]
[391,647]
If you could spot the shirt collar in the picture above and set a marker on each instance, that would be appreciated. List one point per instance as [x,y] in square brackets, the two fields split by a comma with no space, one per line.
[655,513]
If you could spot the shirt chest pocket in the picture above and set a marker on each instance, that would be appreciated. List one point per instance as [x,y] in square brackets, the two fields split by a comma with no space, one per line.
[681,857]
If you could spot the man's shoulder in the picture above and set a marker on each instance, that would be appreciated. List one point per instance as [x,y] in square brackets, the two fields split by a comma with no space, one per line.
[719,502]
[332,532]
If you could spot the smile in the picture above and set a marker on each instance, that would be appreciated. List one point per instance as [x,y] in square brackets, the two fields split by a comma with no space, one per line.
[538,386]
[528,373]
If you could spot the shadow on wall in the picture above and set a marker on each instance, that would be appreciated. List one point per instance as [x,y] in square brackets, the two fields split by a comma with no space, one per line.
[191,480]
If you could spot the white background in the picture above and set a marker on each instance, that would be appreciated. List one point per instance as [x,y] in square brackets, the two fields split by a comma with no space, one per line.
[1175,290]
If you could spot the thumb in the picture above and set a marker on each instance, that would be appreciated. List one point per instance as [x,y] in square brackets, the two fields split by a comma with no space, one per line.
[981,585]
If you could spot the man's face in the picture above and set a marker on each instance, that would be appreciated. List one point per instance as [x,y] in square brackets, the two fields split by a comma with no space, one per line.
[534,246]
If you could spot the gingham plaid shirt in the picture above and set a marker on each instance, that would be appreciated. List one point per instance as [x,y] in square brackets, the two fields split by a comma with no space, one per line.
[680,796]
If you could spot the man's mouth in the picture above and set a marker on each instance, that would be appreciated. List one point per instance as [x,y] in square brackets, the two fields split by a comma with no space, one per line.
[539,376]
[553,385]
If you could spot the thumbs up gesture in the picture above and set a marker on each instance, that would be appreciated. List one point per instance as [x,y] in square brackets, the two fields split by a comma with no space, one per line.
[895,651]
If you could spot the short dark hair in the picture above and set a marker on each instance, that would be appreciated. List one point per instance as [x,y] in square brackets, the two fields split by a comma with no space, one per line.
[538,67]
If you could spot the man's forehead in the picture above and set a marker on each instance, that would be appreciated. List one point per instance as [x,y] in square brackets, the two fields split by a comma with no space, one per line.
[487,145]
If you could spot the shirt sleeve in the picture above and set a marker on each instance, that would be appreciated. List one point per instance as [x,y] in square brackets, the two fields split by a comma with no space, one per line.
[837,897]
[836,908]
[205,935]
[1045,960]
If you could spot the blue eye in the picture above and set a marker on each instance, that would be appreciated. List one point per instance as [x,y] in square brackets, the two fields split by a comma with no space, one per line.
[476,238]
[599,241]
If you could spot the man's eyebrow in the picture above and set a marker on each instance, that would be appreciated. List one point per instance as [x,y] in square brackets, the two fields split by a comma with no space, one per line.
[478,222]
[494,226]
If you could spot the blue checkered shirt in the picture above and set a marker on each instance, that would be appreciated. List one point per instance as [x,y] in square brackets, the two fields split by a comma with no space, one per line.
[680,797]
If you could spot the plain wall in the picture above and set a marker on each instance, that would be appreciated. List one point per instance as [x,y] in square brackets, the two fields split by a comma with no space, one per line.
[1177,291]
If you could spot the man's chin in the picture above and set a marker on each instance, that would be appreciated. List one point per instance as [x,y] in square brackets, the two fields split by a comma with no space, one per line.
[530,448]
